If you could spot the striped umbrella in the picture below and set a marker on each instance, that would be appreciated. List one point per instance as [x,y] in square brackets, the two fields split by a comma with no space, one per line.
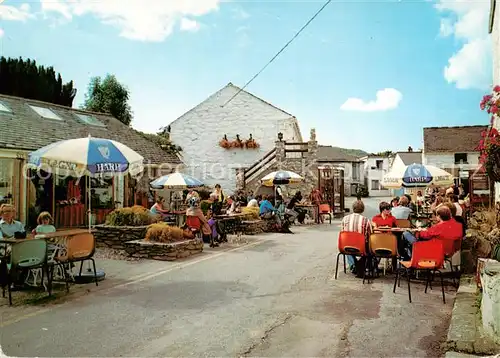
[416,175]
[176,181]
[281,177]
[86,156]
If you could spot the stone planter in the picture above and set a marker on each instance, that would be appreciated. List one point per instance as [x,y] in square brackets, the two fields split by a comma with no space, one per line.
[115,237]
[163,251]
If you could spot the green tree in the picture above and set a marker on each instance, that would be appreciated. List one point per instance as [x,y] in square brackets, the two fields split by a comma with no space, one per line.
[162,139]
[24,78]
[108,96]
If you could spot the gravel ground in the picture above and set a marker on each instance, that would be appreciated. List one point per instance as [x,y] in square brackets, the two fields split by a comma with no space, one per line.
[111,254]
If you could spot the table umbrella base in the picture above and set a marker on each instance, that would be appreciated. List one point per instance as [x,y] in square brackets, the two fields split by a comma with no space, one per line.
[87,276]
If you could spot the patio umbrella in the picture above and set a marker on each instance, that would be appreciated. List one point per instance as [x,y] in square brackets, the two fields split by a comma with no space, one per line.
[87,156]
[281,177]
[176,181]
[416,175]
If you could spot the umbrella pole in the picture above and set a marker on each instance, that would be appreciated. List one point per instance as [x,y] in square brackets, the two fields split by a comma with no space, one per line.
[90,203]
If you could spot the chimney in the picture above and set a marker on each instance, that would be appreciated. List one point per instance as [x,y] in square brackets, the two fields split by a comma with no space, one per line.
[410,149]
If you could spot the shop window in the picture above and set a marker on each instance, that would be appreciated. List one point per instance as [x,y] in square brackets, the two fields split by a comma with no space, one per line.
[101,193]
[6,181]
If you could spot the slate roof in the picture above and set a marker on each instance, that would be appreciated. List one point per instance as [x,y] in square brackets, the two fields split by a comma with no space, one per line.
[409,158]
[24,129]
[328,153]
[452,139]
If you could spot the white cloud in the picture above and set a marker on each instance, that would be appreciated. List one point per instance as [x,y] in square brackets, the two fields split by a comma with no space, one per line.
[189,25]
[467,21]
[15,13]
[386,99]
[1,32]
[135,20]
[240,14]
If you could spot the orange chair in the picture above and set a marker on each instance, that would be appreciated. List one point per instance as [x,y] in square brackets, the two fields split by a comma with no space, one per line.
[427,256]
[351,243]
[324,209]
[403,223]
[81,248]
[384,245]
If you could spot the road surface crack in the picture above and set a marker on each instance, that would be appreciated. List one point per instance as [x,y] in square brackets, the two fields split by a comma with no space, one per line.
[267,333]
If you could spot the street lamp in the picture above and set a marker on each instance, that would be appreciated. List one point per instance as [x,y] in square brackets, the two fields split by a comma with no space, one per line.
[280,136]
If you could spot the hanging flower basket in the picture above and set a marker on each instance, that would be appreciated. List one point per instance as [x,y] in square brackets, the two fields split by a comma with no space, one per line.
[237,143]
[251,143]
[489,145]
[224,143]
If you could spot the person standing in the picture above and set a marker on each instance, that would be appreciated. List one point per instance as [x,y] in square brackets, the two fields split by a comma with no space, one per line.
[218,199]
[317,199]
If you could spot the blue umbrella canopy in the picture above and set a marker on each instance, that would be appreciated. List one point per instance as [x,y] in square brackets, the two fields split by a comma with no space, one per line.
[176,181]
[417,175]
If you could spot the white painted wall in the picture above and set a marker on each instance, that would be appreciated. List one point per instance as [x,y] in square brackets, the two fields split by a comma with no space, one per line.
[447,160]
[375,174]
[199,131]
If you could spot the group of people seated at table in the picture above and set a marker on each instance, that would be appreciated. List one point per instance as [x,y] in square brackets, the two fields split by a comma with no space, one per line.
[447,225]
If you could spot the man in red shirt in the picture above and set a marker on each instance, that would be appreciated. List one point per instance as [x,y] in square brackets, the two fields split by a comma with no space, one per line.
[446,229]
[385,218]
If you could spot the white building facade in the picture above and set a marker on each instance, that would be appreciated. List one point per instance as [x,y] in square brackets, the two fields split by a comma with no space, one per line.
[374,169]
[494,28]
[200,130]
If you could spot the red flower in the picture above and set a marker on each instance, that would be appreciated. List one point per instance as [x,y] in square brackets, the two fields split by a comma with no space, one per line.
[496,88]
[494,109]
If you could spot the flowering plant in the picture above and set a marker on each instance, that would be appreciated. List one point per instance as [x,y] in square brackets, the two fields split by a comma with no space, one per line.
[251,143]
[238,143]
[224,143]
[489,145]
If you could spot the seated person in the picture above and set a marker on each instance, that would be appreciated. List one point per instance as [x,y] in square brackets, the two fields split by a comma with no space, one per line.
[10,228]
[157,208]
[195,210]
[402,211]
[446,229]
[267,210]
[234,205]
[44,222]
[254,202]
[356,222]
[290,207]
[385,218]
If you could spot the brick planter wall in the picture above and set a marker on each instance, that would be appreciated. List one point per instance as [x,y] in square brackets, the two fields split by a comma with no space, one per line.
[115,237]
[163,251]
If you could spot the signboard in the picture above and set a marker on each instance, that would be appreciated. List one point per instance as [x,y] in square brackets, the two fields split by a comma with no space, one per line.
[480,181]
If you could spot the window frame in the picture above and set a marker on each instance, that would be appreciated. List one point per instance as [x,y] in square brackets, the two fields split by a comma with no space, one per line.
[32,107]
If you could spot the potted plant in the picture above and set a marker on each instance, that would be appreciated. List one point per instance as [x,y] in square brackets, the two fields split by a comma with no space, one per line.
[224,143]
[237,143]
[251,143]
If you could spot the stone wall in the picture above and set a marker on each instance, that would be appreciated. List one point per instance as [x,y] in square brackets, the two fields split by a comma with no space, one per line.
[115,237]
[163,251]
[490,304]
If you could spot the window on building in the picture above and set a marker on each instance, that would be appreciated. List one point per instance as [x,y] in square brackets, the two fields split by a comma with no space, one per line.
[6,181]
[4,108]
[461,158]
[375,185]
[379,164]
[88,119]
[45,113]
[355,171]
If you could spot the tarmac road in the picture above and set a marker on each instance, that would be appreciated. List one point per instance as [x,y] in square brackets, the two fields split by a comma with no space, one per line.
[276,298]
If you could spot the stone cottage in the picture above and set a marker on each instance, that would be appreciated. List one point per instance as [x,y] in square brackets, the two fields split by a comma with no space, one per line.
[200,131]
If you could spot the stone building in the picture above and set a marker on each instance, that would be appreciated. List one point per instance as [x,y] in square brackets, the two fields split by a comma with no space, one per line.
[200,130]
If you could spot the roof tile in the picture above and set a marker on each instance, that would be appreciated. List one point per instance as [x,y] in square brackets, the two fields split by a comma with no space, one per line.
[452,139]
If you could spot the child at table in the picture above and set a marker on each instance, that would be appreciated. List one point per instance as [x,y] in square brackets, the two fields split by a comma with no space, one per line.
[45,222]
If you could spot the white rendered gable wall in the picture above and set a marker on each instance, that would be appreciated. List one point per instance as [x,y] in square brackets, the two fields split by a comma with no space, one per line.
[199,132]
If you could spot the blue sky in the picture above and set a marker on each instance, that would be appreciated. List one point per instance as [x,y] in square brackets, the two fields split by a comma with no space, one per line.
[429,62]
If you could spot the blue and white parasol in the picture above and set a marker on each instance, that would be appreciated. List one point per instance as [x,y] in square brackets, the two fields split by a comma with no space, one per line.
[176,181]
[416,175]
[87,156]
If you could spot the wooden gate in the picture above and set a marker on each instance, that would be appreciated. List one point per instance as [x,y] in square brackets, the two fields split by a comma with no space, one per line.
[331,185]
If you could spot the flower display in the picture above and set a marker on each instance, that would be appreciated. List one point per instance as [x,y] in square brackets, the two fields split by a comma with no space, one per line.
[224,143]
[237,143]
[489,145]
[251,143]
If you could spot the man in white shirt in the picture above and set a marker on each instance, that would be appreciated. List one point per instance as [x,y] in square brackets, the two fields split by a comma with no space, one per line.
[402,211]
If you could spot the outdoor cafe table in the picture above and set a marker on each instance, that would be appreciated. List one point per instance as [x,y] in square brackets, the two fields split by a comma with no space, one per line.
[229,223]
